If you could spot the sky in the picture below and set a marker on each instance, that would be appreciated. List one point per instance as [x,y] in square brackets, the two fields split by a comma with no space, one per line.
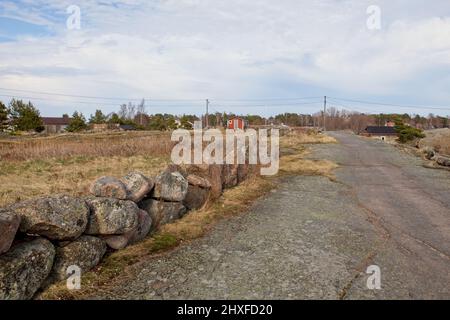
[245,56]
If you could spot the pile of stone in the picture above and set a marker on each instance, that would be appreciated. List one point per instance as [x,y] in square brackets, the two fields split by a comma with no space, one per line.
[41,238]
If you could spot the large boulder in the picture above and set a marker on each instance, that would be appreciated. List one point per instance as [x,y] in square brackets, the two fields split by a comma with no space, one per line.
[118,242]
[109,187]
[137,185]
[24,268]
[144,226]
[213,173]
[58,217]
[170,186]
[111,216]
[198,192]
[443,161]
[9,224]
[85,252]
[162,212]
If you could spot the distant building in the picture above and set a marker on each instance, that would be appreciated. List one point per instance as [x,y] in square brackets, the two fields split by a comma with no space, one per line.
[236,123]
[127,127]
[390,123]
[381,132]
[55,125]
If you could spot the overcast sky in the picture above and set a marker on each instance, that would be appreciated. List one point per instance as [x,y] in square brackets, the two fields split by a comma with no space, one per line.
[227,50]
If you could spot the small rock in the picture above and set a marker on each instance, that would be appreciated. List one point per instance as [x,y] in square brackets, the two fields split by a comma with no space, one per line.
[137,185]
[85,252]
[443,161]
[170,186]
[24,268]
[9,224]
[111,216]
[162,212]
[58,218]
[109,187]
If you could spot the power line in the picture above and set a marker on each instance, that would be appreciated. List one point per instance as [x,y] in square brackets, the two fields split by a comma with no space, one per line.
[392,105]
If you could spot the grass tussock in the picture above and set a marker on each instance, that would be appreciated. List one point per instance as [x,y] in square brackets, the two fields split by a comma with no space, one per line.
[438,139]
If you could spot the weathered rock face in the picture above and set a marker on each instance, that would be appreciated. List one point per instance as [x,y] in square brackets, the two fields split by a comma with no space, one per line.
[109,187]
[9,224]
[170,186]
[85,252]
[213,173]
[118,242]
[24,268]
[111,216]
[144,226]
[58,217]
[162,212]
[229,175]
[443,161]
[137,185]
[198,192]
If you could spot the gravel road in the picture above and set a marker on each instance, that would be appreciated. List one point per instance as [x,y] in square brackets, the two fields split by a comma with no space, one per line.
[313,238]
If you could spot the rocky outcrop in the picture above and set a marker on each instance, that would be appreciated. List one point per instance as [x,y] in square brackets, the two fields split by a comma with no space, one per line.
[111,216]
[162,212]
[198,192]
[170,186]
[9,224]
[24,268]
[137,185]
[57,218]
[85,252]
[109,187]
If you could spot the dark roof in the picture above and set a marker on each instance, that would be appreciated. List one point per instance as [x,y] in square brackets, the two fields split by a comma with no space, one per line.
[127,127]
[56,121]
[381,130]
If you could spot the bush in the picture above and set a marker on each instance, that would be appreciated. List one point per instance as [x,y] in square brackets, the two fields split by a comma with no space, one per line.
[77,123]
[407,133]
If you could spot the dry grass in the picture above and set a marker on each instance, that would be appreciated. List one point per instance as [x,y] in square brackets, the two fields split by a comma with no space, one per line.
[32,167]
[438,139]
[65,146]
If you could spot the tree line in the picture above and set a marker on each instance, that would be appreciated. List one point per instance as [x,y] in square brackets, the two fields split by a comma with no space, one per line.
[22,116]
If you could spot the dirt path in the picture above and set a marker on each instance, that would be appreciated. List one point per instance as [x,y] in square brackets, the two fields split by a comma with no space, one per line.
[314,238]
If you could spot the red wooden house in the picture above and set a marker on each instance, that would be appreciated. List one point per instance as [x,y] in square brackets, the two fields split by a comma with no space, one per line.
[236,123]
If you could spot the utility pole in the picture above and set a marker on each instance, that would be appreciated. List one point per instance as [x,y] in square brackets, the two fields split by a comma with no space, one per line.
[207,116]
[324,112]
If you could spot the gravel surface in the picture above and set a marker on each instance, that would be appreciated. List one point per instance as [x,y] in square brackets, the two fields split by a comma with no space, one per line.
[313,238]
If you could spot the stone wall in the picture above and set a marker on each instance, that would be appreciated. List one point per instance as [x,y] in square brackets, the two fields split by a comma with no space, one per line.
[41,238]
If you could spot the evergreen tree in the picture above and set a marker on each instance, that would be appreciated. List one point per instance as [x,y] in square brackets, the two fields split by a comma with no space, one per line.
[77,123]
[3,116]
[25,117]
[97,118]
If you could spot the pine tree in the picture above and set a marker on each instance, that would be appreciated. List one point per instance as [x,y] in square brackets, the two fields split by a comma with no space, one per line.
[3,116]
[97,118]
[25,117]
[77,123]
